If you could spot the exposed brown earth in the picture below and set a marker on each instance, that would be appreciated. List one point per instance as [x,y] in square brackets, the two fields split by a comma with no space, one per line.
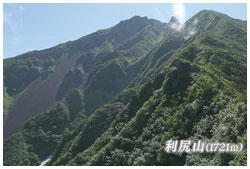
[38,97]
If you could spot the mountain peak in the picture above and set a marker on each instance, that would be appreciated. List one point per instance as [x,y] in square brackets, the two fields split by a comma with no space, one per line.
[139,17]
[207,14]
[136,18]
[173,19]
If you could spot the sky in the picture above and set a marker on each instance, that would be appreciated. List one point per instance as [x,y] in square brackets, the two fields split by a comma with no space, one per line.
[28,27]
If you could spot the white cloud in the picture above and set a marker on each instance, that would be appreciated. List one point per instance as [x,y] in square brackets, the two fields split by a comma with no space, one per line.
[192,30]
[179,12]
[195,21]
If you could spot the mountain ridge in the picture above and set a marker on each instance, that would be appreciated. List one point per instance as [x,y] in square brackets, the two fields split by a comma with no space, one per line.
[127,94]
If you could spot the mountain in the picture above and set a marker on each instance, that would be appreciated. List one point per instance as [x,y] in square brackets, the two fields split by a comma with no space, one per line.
[40,79]
[116,96]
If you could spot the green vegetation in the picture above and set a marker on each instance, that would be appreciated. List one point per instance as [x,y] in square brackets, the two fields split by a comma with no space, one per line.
[133,87]
[73,79]
[7,103]
[42,133]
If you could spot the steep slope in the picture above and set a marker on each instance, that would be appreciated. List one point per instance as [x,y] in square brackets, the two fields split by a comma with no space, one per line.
[193,98]
[89,62]
[38,97]
[43,132]
[36,81]
[137,89]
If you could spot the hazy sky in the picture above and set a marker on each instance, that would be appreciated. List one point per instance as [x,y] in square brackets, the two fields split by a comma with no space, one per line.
[39,26]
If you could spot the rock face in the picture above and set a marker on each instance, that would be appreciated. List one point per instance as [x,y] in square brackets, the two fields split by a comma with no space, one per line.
[38,97]
[116,96]
[174,20]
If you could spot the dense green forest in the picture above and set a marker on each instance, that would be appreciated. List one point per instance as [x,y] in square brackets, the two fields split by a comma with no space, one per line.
[131,88]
